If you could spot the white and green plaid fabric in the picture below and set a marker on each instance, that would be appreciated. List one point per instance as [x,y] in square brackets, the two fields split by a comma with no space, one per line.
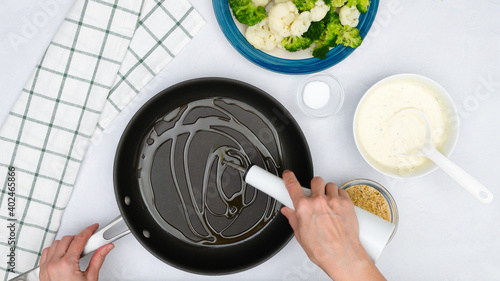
[104,53]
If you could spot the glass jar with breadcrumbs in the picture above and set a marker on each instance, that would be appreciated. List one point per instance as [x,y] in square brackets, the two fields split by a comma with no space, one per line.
[374,198]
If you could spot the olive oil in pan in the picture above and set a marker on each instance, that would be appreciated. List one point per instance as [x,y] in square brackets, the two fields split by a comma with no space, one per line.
[186,187]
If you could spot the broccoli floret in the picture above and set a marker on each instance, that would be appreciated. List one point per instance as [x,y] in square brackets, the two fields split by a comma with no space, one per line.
[328,38]
[321,52]
[333,19]
[246,12]
[295,43]
[349,37]
[304,5]
[315,30]
[351,3]
[335,3]
[332,30]
[331,33]
[363,5]
[332,15]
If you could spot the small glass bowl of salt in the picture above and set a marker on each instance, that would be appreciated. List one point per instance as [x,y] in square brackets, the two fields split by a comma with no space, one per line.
[320,95]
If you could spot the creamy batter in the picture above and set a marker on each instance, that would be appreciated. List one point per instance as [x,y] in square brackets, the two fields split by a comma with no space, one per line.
[384,135]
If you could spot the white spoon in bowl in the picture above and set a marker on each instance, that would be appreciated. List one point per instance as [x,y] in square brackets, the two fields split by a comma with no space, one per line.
[426,148]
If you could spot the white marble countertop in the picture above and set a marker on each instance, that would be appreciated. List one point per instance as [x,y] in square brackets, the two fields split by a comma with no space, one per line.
[444,233]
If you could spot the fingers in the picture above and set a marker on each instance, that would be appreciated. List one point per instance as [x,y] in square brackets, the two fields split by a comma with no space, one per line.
[97,260]
[292,220]
[317,186]
[62,247]
[44,256]
[343,194]
[331,189]
[52,250]
[290,215]
[47,255]
[293,186]
[76,247]
[61,259]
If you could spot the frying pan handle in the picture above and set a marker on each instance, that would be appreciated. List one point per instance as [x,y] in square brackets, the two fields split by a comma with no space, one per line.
[97,240]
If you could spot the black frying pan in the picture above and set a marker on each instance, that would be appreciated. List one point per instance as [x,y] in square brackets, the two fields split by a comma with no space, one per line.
[145,215]
[167,247]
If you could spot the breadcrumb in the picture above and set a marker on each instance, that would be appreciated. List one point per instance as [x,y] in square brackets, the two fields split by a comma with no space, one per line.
[369,199]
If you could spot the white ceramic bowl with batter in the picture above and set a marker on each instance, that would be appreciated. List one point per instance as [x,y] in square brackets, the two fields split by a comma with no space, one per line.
[385,99]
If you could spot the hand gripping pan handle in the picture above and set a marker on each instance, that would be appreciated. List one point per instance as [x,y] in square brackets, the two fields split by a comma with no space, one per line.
[95,241]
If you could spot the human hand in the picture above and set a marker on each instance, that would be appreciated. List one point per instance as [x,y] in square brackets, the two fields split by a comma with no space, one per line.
[326,227]
[61,261]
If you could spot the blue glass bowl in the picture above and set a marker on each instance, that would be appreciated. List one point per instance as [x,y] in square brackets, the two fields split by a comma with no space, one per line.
[281,65]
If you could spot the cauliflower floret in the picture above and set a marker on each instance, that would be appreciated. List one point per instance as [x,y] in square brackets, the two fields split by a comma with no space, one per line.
[280,1]
[261,36]
[301,24]
[281,17]
[319,10]
[349,16]
[262,3]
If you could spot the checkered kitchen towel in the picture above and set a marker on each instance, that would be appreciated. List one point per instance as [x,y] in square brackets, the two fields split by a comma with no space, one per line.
[103,54]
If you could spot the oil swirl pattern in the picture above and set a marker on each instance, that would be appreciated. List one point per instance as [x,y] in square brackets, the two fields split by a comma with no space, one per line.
[190,193]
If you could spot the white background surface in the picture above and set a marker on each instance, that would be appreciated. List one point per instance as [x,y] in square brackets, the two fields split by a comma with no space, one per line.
[444,233]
